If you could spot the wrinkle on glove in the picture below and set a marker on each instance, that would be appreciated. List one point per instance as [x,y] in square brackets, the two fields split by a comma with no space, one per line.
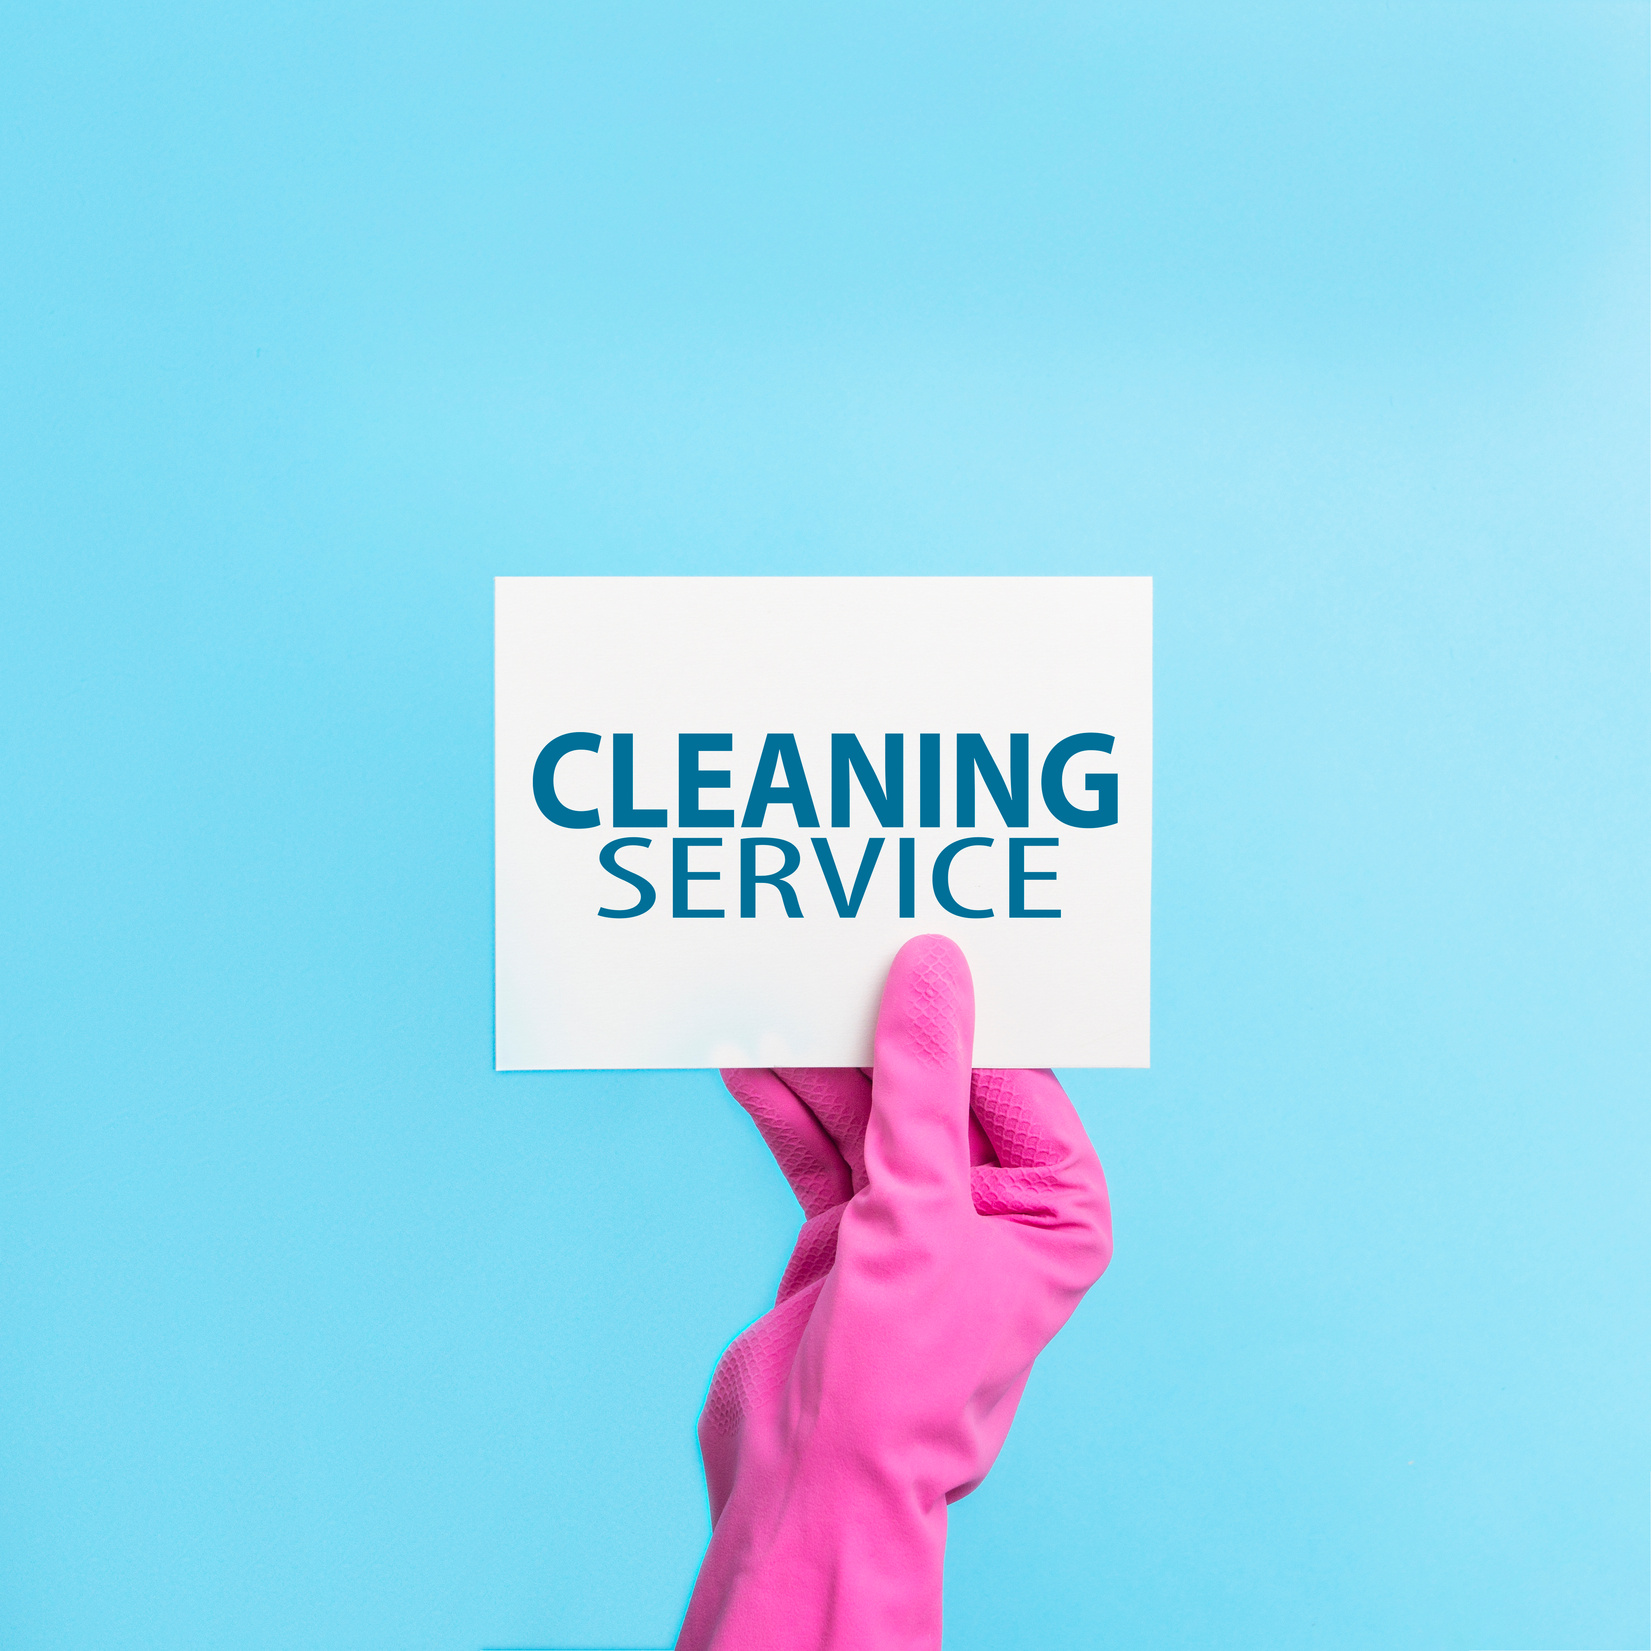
[953,1220]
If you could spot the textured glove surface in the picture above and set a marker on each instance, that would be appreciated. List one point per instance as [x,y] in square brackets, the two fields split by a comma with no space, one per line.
[954,1218]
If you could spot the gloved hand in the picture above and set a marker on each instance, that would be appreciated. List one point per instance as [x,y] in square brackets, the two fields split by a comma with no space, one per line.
[953,1222]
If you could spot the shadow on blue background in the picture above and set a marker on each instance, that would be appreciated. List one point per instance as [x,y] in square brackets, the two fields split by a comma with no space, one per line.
[317,1332]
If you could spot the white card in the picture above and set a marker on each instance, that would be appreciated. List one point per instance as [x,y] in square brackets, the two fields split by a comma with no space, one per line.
[691,776]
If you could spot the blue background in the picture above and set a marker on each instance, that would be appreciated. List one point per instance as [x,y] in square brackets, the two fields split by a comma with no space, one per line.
[316,1331]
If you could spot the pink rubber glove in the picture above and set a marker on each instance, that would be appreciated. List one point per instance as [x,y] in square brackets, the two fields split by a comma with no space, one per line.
[954,1220]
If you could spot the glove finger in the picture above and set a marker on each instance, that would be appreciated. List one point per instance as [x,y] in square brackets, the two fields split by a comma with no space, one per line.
[917,1141]
[1030,1195]
[807,1156]
[1028,1118]
[980,1146]
[840,1097]
[1050,1176]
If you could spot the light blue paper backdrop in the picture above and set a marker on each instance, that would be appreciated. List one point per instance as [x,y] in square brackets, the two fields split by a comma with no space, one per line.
[314,1331]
